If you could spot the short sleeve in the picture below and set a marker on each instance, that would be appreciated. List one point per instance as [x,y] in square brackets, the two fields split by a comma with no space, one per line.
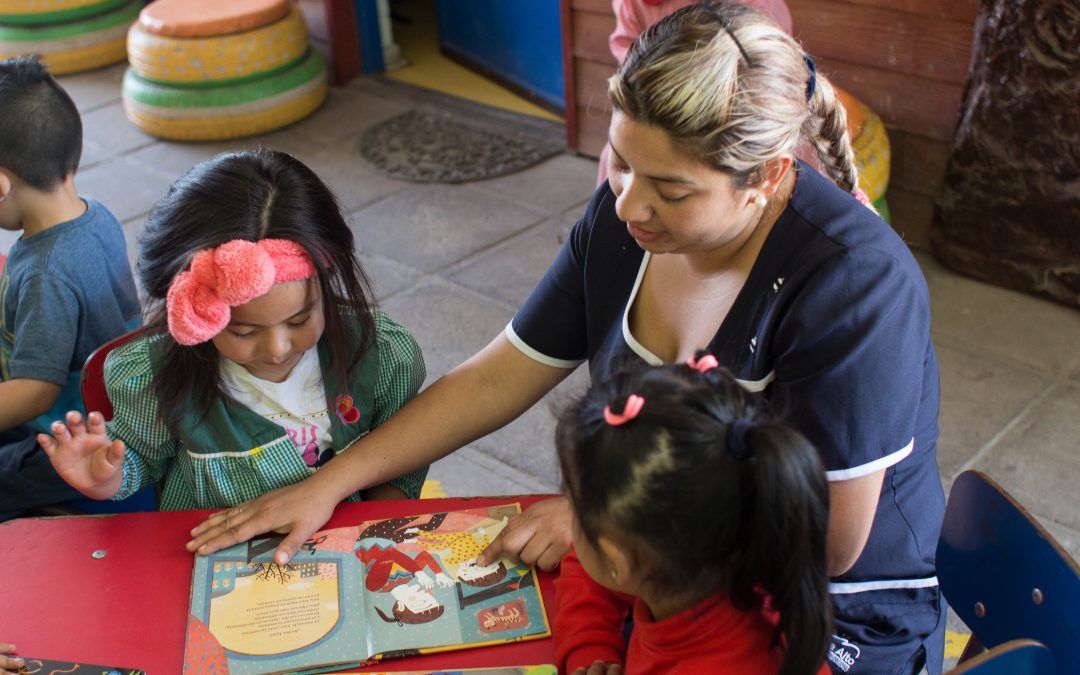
[136,420]
[46,325]
[628,26]
[552,326]
[401,374]
[850,361]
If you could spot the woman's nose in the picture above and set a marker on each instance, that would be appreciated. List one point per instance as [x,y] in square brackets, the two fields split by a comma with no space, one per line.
[631,204]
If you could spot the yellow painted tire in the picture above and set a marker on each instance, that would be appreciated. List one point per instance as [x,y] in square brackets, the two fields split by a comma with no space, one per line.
[218,60]
[74,46]
[37,12]
[872,156]
[219,113]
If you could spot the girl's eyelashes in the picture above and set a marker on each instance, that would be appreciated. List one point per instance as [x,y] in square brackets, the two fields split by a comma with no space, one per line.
[674,198]
[298,322]
[242,335]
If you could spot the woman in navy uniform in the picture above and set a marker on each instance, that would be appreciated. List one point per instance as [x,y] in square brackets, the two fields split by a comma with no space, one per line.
[711,234]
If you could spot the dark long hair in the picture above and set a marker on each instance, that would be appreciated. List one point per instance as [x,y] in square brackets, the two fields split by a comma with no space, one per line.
[716,496]
[250,195]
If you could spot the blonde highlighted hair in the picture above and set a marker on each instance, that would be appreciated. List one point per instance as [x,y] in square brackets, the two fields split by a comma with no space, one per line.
[730,88]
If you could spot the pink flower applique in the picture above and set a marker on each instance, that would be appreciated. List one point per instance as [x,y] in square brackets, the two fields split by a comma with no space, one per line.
[345,410]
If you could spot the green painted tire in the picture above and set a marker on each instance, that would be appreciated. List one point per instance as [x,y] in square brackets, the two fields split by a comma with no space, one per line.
[74,46]
[38,12]
[222,112]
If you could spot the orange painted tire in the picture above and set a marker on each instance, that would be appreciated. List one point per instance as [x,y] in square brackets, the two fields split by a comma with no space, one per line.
[210,18]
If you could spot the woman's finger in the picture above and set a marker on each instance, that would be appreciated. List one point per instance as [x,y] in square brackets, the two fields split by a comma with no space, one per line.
[75,422]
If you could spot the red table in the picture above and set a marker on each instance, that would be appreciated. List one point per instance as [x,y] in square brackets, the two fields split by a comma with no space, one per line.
[129,607]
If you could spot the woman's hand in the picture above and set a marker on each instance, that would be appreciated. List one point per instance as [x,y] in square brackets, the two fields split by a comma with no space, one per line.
[9,664]
[540,536]
[297,511]
[84,456]
[600,668]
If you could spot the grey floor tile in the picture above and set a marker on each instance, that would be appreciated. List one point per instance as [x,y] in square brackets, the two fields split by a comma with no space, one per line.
[109,129]
[345,114]
[430,226]
[176,159]
[509,271]
[355,184]
[387,277]
[124,187]
[450,323]
[552,185]
[979,397]
[8,239]
[469,472]
[95,88]
[1037,460]
[92,155]
[528,443]
[1002,322]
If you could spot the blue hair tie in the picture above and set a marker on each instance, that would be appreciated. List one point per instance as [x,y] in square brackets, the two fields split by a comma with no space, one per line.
[811,84]
[736,438]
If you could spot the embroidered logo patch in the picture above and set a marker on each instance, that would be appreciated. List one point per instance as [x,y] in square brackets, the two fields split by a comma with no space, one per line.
[843,653]
[345,410]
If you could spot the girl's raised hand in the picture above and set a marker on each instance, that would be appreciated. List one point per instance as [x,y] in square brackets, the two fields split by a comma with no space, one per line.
[601,668]
[84,456]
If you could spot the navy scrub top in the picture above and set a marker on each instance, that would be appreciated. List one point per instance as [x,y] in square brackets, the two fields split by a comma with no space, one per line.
[832,324]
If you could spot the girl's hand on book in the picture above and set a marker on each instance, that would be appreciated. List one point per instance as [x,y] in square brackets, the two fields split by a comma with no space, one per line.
[600,668]
[297,511]
[9,664]
[83,455]
[539,536]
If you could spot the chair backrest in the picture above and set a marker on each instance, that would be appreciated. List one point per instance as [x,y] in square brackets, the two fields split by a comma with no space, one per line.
[1015,657]
[1004,575]
[92,379]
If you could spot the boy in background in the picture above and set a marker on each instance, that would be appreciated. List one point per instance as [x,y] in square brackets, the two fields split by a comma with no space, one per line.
[66,287]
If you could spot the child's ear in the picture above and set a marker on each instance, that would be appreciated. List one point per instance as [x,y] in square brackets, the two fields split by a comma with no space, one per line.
[5,184]
[618,561]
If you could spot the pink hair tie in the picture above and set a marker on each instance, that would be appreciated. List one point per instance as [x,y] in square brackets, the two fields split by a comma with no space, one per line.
[200,301]
[705,363]
[630,411]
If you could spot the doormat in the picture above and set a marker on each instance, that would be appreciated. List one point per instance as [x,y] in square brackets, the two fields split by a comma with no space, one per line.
[428,147]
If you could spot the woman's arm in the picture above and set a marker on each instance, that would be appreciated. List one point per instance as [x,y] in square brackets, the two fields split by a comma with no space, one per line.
[486,392]
[852,505]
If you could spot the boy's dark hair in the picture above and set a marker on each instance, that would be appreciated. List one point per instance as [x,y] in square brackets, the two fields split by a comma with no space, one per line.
[250,195]
[713,495]
[40,128]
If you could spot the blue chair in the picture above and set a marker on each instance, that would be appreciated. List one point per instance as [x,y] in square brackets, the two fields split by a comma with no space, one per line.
[1004,575]
[96,398]
[1015,657]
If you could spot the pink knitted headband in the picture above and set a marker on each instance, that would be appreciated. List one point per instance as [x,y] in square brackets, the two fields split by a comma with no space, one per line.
[200,299]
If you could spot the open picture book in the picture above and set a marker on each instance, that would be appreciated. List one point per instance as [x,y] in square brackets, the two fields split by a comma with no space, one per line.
[359,594]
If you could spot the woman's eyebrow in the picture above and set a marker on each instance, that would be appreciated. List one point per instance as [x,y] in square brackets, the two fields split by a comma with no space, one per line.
[662,179]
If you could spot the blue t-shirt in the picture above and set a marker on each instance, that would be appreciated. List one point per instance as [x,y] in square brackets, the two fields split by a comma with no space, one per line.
[832,324]
[63,293]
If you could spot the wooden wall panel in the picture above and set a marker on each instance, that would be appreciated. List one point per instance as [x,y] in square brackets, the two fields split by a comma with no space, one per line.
[893,40]
[591,33]
[912,103]
[955,10]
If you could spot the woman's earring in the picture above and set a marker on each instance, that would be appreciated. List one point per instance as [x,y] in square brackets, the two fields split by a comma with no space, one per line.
[760,201]
[614,575]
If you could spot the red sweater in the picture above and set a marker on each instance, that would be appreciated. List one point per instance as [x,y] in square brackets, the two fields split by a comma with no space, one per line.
[712,636]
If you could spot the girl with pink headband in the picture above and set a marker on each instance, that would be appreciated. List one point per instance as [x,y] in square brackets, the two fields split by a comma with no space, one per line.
[262,357]
[696,509]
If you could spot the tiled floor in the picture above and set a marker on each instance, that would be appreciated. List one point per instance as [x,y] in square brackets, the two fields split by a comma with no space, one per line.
[452,262]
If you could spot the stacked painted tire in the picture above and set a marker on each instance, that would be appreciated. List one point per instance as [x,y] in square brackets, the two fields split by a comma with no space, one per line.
[70,35]
[871,145]
[208,70]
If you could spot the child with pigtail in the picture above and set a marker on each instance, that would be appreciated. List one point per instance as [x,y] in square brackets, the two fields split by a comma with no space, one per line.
[709,518]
